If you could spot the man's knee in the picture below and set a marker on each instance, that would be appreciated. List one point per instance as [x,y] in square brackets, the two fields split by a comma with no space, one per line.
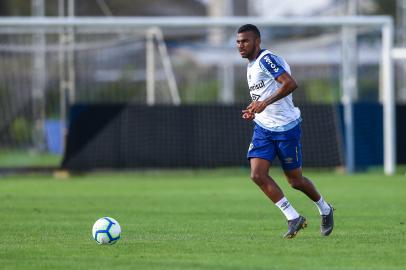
[296,182]
[258,178]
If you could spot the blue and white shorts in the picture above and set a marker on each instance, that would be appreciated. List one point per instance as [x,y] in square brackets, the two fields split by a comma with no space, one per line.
[286,145]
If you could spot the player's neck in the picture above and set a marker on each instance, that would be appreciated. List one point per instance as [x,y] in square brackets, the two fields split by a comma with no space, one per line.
[255,55]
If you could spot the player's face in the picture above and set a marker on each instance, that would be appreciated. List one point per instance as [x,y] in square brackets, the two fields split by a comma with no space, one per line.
[247,43]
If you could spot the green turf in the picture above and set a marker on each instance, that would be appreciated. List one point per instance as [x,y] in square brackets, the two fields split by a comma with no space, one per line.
[198,220]
[22,159]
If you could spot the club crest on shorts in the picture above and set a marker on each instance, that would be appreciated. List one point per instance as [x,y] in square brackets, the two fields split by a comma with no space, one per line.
[288,160]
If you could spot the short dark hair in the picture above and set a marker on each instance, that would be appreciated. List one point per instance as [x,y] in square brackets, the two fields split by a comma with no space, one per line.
[249,27]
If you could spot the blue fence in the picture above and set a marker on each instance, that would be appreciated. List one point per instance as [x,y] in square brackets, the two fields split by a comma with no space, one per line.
[368,134]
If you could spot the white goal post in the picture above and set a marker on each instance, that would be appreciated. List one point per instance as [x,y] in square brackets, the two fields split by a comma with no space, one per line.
[382,23]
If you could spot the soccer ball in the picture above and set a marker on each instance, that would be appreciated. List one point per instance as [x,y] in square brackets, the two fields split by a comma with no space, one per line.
[106,230]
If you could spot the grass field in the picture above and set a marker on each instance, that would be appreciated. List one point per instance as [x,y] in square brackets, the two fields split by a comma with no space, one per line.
[23,159]
[198,220]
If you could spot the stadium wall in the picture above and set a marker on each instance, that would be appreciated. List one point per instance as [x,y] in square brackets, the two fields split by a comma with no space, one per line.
[368,134]
[401,134]
[196,136]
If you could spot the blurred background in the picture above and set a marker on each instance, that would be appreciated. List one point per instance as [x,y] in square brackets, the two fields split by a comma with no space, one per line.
[96,97]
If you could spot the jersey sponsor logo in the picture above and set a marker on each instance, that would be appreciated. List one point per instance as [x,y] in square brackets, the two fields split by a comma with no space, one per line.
[255,97]
[257,86]
[271,64]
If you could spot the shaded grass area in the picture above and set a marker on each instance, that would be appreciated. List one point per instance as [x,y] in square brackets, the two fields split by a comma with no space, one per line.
[208,219]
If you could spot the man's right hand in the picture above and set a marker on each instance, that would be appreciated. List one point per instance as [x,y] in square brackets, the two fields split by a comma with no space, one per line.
[248,115]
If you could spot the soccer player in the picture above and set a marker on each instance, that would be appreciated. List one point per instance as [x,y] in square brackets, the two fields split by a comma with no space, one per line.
[277,130]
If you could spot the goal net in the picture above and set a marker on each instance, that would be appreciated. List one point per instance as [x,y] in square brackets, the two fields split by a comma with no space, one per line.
[168,92]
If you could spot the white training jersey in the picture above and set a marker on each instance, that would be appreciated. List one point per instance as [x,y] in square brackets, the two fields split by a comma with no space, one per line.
[262,73]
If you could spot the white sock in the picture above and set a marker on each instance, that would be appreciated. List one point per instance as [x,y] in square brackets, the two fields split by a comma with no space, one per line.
[287,209]
[324,208]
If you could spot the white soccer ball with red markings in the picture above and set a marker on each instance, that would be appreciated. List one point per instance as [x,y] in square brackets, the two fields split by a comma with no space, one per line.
[106,231]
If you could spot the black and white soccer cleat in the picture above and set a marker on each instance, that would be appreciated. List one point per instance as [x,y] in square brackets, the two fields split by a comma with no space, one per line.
[327,222]
[294,226]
